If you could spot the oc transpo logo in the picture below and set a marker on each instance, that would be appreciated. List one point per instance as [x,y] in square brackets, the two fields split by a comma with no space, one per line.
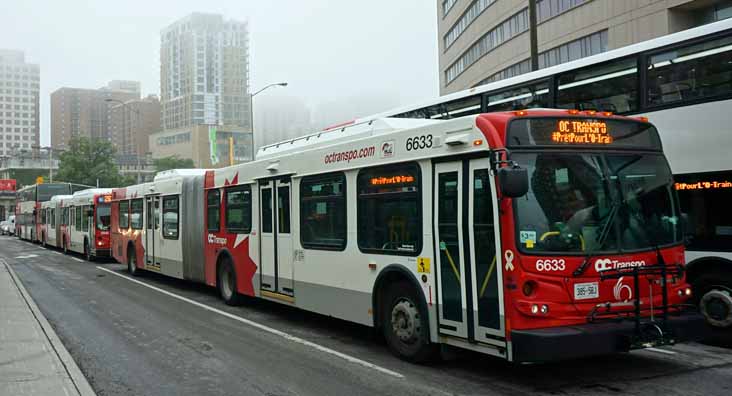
[608,264]
[620,290]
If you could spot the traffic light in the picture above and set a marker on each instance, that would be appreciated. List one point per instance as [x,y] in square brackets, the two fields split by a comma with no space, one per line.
[39,180]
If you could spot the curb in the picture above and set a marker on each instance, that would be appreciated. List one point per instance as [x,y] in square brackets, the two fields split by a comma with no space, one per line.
[77,377]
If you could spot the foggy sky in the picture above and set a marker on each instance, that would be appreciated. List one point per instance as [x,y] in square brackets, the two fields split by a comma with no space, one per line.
[327,50]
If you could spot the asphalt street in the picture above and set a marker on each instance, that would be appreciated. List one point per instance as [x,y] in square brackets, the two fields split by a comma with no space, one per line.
[153,335]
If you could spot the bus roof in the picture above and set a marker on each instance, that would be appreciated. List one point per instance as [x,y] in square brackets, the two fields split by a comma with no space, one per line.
[178,173]
[91,192]
[648,45]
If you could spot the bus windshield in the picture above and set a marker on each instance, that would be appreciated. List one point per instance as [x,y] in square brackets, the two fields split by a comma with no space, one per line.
[572,196]
[103,217]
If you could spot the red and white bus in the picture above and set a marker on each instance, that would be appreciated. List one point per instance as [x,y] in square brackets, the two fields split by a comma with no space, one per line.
[531,236]
[683,83]
[79,223]
[29,200]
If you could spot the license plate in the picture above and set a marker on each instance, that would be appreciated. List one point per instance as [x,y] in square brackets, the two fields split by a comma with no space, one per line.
[586,291]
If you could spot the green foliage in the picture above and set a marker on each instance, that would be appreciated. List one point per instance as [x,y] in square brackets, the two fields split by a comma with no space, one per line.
[173,162]
[26,177]
[89,160]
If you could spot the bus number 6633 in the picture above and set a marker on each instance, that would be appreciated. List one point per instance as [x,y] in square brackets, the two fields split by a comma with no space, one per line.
[419,142]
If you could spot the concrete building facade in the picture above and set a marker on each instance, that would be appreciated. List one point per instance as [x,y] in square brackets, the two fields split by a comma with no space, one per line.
[84,112]
[130,125]
[482,41]
[19,103]
[207,145]
[204,72]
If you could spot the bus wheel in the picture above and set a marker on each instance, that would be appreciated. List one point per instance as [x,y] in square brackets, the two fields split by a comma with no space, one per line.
[43,240]
[715,300]
[87,252]
[405,325]
[132,262]
[66,247]
[226,283]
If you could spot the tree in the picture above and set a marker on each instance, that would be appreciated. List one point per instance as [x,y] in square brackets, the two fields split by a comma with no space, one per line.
[88,161]
[172,162]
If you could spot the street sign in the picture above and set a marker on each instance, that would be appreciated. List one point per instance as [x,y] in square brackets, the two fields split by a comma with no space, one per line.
[39,180]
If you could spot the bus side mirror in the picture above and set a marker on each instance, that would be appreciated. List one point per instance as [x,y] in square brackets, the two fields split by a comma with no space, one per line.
[513,181]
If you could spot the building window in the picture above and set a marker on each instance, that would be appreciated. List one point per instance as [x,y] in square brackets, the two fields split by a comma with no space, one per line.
[238,211]
[593,44]
[690,73]
[547,9]
[471,14]
[389,210]
[447,6]
[213,210]
[514,70]
[508,29]
[170,217]
[323,212]
[136,214]
[606,87]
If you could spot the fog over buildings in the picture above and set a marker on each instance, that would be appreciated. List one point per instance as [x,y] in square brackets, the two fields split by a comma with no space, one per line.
[341,59]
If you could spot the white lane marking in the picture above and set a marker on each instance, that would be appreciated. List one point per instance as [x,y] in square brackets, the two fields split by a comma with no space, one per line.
[661,351]
[79,260]
[263,327]
[27,256]
[59,253]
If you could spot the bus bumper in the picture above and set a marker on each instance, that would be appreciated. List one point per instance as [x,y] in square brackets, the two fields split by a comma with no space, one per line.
[602,338]
[102,253]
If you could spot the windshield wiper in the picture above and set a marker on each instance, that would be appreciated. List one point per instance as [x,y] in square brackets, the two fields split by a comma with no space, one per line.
[600,239]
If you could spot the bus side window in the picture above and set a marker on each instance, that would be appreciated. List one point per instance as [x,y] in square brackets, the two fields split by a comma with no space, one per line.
[238,210]
[170,217]
[323,212]
[213,210]
[124,215]
[390,209]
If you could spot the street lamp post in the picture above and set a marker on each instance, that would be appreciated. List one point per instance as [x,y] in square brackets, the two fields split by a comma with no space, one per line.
[251,108]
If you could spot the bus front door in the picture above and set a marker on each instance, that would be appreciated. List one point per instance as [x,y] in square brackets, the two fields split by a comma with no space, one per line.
[152,238]
[469,276]
[276,238]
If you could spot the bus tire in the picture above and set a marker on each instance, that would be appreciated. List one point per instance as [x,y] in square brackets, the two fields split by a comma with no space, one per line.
[714,296]
[132,262]
[226,283]
[87,251]
[405,324]
[43,239]
[66,246]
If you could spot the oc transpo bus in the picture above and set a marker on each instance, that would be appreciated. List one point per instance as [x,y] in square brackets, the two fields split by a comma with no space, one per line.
[681,82]
[531,236]
[28,205]
[79,223]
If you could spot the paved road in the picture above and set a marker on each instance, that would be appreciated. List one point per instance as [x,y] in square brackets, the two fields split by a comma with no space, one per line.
[179,339]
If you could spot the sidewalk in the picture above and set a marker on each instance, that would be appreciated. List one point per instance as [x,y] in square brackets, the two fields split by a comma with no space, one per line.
[33,361]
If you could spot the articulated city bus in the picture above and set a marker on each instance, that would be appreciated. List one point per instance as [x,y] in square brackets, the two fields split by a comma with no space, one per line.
[29,200]
[531,236]
[683,83]
[79,223]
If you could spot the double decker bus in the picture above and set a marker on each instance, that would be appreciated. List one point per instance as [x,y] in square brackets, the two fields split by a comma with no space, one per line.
[29,200]
[682,82]
[79,223]
[531,236]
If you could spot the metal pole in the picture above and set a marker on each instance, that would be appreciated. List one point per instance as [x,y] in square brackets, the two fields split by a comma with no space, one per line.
[532,36]
[251,121]
[50,164]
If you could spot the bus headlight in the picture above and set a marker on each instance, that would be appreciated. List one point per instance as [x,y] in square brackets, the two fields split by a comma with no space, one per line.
[534,309]
[544,309]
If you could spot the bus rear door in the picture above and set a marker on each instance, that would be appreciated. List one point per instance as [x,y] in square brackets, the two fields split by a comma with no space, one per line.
[152,234]
[469,272]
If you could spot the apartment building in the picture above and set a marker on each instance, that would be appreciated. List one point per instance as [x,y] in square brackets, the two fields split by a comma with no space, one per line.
[19,103]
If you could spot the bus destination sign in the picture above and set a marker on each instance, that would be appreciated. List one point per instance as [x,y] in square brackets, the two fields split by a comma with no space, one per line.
[581,132]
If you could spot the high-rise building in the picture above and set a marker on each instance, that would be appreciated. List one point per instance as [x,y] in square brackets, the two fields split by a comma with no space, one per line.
[130,125]
[482,41]
[84,112]
[19,103]
[204,72]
